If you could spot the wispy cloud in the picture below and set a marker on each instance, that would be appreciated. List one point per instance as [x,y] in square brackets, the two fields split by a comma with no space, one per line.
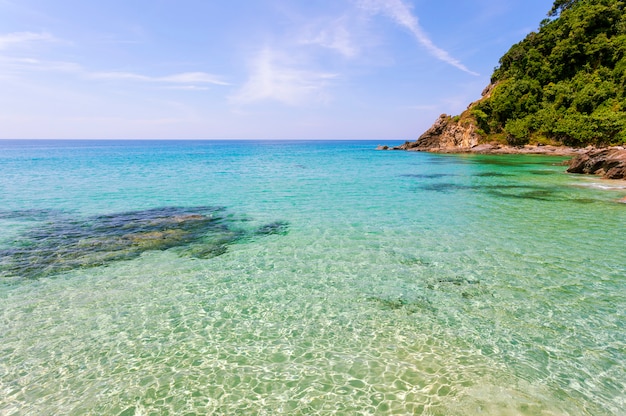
[16,66]
[186,88]
[182,78]
[11,66]
[9,40]
[400,12]
[333,35]
[275,77]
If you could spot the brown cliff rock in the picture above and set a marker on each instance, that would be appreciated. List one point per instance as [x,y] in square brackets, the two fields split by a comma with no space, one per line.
[445,134]
[610,163]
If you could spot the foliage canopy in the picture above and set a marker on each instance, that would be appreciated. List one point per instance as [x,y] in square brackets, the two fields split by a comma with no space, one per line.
[565,83]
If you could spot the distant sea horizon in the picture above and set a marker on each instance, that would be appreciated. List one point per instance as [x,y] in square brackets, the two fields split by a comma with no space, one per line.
[182,140]
[304,277]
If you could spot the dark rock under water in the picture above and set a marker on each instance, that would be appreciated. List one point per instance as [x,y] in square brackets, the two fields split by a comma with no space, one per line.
[514,191]
[491,174]
[410,306]
[276,227]
[63,243]
[427,175]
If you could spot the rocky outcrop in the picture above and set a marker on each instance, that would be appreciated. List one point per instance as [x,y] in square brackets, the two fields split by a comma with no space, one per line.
[450,134]
[446,134]
[610,163]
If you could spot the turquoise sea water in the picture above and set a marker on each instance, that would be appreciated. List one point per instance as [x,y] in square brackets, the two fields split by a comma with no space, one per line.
[317,278]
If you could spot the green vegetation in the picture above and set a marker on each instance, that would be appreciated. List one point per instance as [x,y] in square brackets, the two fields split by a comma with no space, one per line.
[566,83]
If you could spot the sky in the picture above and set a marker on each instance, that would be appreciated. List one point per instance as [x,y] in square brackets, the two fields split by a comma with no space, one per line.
[248,69]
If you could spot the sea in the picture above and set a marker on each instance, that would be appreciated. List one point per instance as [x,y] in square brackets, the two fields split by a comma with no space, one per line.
[306,278]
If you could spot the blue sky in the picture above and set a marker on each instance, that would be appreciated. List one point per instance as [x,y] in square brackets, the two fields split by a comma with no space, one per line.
[268,69]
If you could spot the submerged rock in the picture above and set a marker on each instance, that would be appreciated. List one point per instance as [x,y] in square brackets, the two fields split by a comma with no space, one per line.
[64,243]
[277,227]
[410,306]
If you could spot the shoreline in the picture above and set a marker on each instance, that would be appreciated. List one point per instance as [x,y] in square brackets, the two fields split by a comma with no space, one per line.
[610,162]
[607,163]
[497,149]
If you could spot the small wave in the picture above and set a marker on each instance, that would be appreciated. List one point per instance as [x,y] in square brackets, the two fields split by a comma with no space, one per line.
[604,186]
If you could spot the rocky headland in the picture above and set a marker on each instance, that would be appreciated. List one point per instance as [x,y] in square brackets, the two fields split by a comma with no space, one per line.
[541,100]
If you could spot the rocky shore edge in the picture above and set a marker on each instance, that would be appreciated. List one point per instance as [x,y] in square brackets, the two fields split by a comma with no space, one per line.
[449,135]
[494,149]
[608,162]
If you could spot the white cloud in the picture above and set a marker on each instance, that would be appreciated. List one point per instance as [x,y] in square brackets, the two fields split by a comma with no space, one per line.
[402,15]
[334,36]
[14,66]
[182,78]
[185,80]
[186,88]
[275,77]
[193,77]
[9,40]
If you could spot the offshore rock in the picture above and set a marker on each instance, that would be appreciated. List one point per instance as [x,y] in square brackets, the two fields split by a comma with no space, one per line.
[610,163]
[445,134]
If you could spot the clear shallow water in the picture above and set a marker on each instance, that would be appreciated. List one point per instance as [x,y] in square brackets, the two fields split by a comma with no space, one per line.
[406,283]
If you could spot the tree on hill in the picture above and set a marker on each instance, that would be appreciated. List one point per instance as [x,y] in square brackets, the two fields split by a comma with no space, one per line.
[565,83]
[560,5]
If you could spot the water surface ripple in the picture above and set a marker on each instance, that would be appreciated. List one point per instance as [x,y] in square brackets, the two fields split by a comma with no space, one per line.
[343,281]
